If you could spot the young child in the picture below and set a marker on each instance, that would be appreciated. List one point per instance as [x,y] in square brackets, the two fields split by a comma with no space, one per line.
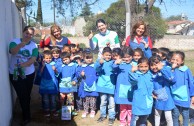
[48,85]
[56,57]
[87,88]
[163,52]
[116,53]
[66,48]
[141,80]
[182,90]
[163,78]
[123,91]
[106,85]
[68,86]
[137,54]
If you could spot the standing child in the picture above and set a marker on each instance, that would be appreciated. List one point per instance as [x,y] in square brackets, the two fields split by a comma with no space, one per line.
[182,90]
[106,85]
[123,91]
[137,54]
[68,86]
[162,78]
[141,79]
[56,57]
[48,85]
[87,88]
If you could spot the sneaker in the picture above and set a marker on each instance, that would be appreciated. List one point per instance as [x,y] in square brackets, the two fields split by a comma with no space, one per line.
[92,114]
[74,113]
[55,113]
[110,122]
[84,114]
[101,119]
[47,114]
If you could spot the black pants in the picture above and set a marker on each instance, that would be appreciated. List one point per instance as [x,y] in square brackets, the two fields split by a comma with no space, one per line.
[23,88]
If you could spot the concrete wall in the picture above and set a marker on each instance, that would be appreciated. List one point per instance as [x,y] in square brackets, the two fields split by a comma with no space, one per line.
[176,42]
[10,25]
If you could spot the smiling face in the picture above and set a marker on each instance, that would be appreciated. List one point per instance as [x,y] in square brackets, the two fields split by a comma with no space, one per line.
[56,33]
[127,58]
[27,35]
[143,67]
[177,59]
[55,55]
[140,30]
[47,58]
[154,68]
[66,60]
[107,56]
[136,56]
[102,27]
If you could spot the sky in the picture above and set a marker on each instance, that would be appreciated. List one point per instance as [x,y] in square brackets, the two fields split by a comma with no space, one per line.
[168,8]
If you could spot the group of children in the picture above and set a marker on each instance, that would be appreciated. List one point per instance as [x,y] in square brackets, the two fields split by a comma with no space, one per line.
[137,80]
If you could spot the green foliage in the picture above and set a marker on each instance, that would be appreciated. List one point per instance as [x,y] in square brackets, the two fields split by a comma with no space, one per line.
[39,13]
[175,17]
[67,35]
[86,12]
[82,45]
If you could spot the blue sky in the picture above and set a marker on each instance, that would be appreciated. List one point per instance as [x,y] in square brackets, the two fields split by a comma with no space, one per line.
[168,8]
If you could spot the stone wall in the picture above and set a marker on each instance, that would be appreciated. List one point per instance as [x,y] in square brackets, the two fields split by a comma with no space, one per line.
[176,42]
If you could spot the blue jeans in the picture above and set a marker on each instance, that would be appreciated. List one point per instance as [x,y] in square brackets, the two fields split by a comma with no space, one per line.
[107,98]
[49,102]
[175,115]
[142,119]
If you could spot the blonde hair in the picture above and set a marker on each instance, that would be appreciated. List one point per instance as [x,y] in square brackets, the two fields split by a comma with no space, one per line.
[53,39]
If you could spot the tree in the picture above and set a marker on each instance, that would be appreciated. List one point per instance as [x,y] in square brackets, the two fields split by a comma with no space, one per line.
[86,12]
[24,3]
[176,17]
[39,13]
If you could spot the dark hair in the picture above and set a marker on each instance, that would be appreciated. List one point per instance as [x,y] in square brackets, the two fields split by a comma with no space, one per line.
[106,49]
[133,31]
[100,21]
[56,49]
[143,60]
[139,51]
[181,54]
[155,51]
[128,50]
[169,55]
[72,45]
[117,51]
[88,53]
[65,55]
[47,52]
[28,27]
[164,51]
[154,60]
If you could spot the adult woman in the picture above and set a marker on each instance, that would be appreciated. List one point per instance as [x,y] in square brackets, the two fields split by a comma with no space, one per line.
[104,38]
[55,38]
[23,55]
[139,37]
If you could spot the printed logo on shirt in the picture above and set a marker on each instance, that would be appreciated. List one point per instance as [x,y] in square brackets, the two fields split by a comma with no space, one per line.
[25,53]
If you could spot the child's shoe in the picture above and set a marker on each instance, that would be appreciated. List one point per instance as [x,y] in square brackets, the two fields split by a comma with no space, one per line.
[55,113]
[84,114]
[92,114]
[74,113]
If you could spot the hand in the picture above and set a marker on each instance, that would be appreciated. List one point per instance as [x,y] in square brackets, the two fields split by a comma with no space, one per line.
[90,35]
[192,100]
[43,36]
[123,42]
[82,73]
[154,96]
[101,61]
[73,83]
[62,95]
[134,68]
[118,61]
[108,44]
[159,65]
[145,44]
[174,65]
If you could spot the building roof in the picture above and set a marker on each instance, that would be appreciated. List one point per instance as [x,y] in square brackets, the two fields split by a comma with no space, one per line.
[177,22]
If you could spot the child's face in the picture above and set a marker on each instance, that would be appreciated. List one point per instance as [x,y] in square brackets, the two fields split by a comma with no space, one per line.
[47,58]
[127,58]
[143,67]
[73,50]
[55,55]
[136,56]
[88,60]
[154,67]
[176,59]
[115,56]
[66,60]
[66,49]
[107,56]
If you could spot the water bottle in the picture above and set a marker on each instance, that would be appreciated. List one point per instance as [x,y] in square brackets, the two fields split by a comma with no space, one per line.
[21,70]
[15,74]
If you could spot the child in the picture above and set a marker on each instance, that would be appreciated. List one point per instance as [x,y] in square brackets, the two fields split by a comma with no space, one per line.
[49,84]
[116,53]
[163,52]
[141,80]
[106,85]
[87,88]
[66,48]
[68,86]
[182,90]
[73,48]
[56,56]
[162,79]
[123,91]
[137,54]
